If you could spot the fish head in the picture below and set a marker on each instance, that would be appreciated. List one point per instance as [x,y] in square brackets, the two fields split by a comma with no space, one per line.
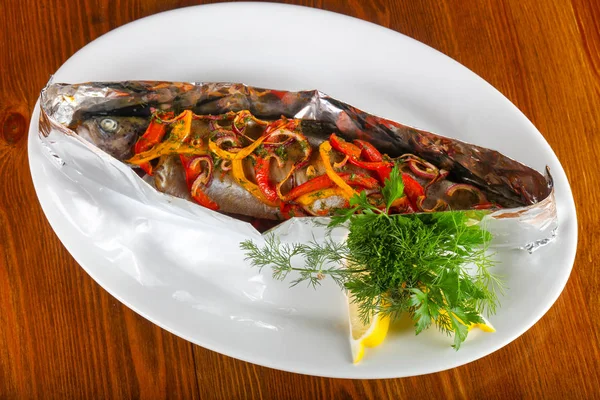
[116,135]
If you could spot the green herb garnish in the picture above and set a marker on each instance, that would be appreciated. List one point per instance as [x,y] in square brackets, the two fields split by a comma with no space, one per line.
[281,153]
[392,264]
[261,151]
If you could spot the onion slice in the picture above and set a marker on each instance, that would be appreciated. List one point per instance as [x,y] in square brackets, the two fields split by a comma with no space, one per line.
[237,130]
[341,164]
[289,135]
[423,169]
[226,165]
[280,162]
[440,205]
[469,188]
[206,174]
[442,174]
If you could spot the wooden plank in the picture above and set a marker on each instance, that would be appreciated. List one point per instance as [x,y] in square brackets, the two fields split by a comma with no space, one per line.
[63,336]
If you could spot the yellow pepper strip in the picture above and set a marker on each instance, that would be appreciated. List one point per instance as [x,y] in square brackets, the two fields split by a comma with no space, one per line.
[246,151]
[224,154]
[324,150]
[245,115]
[307,199]
[181,131]
[243,153]
[175,144]
[237,169]
[176,118]
[166,148]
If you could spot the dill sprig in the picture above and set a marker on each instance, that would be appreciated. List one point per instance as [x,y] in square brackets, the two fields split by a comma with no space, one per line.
[320,260]
[435,266]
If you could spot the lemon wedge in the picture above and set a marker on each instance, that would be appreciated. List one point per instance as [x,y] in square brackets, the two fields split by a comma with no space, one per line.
[374,333]
[485,326]
[361,335]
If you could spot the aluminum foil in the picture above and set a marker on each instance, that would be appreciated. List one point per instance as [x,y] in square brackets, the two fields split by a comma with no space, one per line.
[528,222]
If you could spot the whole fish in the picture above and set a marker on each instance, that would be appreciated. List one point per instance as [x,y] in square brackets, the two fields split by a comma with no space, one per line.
[293,156]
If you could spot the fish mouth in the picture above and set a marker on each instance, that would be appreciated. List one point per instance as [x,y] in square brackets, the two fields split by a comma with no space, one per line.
[84,133]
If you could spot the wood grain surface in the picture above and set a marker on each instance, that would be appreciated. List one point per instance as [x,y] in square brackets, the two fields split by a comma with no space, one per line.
[63,336]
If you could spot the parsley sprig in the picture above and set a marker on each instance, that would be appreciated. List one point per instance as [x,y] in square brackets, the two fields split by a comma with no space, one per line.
[434,266]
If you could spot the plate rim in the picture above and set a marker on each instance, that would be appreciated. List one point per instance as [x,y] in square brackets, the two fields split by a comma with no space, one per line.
[32,141]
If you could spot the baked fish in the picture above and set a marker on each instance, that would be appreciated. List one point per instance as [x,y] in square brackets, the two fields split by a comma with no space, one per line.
[273,155]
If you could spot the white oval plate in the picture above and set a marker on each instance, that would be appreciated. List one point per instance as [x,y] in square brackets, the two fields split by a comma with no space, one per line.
[363,64]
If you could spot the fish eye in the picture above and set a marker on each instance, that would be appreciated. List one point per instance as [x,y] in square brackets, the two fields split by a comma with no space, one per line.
[109,125]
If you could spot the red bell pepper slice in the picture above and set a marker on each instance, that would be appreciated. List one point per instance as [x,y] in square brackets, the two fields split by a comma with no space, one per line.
[191,174]
[370,153]
[262,174]
[485,206]
[371,166]
[412,189]
[403,206]
[353,151]
[312,185]
[324,182]
[344,147]
[291,210]
[202,198]
[384,173]
[154,134]
[360,180]
[382,169]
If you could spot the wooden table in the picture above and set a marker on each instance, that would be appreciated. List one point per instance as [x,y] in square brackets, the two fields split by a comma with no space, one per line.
[62,335]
